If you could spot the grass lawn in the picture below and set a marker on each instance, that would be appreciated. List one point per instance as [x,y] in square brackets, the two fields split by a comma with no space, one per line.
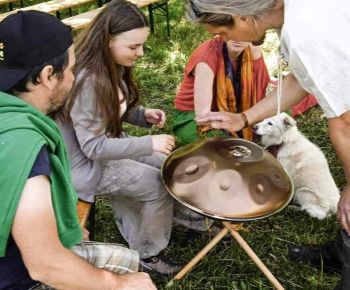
[226,266]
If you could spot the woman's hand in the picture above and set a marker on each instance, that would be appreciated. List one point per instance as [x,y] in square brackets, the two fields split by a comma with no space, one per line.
[155,117]
[163,143]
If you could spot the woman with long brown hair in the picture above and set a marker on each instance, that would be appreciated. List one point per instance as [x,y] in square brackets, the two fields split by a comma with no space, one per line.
[104,158]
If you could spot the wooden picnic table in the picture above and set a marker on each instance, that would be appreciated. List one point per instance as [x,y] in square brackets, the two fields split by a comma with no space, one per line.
[49,7]
[82,20]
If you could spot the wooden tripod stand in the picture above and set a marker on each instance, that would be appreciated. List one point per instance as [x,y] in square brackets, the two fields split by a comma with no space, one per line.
[233,229]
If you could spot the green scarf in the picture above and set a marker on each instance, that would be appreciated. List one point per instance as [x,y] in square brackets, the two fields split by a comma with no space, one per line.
[23,132]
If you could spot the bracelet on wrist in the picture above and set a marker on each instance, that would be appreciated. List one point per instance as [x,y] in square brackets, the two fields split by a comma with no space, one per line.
[245,120]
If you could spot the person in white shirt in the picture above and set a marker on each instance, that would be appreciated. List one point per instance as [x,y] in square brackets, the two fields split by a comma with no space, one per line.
[314,43]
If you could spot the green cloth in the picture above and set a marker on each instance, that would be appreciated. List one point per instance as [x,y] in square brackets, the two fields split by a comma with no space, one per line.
[23,132]
[186,130]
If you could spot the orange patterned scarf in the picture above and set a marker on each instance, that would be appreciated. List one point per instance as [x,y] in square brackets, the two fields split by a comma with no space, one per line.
[225,93]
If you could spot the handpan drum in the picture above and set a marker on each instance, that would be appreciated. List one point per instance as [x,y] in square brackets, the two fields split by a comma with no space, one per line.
[227,179]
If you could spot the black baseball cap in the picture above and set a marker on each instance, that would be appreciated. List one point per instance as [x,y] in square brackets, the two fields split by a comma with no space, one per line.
[27,39]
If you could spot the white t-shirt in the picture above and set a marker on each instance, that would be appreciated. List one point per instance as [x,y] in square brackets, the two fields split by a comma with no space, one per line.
[315,41]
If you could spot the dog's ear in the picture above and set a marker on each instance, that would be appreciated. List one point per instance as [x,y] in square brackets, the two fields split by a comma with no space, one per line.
[288,121]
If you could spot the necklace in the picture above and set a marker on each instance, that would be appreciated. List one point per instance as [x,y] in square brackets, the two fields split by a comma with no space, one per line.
[280,63]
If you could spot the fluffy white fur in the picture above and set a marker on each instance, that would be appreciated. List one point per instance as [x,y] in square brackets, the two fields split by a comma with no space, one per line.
[315,189]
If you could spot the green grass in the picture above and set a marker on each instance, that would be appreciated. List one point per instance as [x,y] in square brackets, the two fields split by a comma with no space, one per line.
[226,266]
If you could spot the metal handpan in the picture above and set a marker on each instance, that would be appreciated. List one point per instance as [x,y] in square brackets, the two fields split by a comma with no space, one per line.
[227,179]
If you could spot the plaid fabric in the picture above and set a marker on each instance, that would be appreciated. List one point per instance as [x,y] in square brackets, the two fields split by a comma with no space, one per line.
[112,257]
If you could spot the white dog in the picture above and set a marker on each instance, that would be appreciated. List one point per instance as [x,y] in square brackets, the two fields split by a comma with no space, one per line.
[315,189]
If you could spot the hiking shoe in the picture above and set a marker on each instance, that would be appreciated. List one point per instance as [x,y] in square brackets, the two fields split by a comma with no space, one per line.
[143,267]
[320,257]
[159,264]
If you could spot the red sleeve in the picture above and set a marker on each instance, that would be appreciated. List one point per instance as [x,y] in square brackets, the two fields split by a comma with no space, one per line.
[208,52]
[261,77]
[305,104]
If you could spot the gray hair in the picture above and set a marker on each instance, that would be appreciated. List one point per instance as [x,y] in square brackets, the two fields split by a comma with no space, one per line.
[232,7]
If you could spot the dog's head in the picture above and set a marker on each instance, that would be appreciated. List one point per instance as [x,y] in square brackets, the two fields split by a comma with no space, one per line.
[273,130]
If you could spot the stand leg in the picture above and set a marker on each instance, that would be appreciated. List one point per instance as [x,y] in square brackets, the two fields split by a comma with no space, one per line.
[253,256]
[198,257]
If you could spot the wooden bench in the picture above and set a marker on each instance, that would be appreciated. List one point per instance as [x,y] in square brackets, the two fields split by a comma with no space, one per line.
[80,21]
[83,209]
[49,7]
[86,214]
[161,7]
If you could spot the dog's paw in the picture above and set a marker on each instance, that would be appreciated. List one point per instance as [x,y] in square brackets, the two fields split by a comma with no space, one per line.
[295,207]
[316,212]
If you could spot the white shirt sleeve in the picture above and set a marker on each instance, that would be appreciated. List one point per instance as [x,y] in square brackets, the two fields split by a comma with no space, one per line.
[315,39]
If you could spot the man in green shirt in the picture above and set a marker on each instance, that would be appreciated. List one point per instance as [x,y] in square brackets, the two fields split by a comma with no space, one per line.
[40,236]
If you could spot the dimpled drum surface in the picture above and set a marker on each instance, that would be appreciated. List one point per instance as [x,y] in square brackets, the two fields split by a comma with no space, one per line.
[228,179]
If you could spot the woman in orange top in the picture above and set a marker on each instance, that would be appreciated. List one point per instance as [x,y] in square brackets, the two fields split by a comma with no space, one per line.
[225,76]
[222,76]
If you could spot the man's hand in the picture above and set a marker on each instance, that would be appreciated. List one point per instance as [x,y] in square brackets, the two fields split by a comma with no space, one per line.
[339,132]
[135,281]
[344,209]
[155,117]
[163,143]
[222,120]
